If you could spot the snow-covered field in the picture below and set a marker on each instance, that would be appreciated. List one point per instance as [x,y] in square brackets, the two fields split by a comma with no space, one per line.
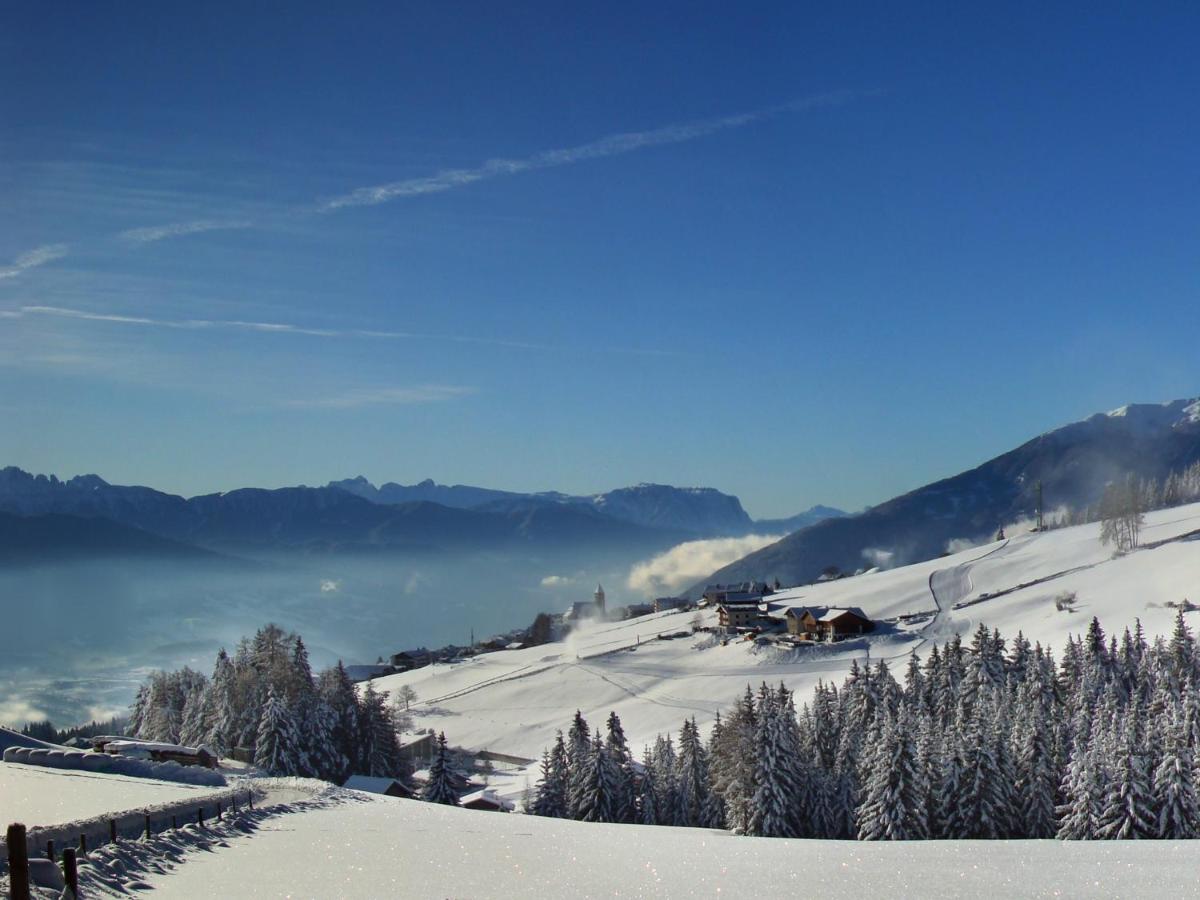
[512,701]
[41,796]
[401,848]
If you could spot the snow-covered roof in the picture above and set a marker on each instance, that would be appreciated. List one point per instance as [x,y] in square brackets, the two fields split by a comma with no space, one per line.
[373,785]
[154,746]
[825,613]
[836,612]
[489,796]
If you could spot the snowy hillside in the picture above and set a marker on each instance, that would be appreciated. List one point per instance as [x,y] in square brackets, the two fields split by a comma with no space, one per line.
[386,847]
[45,796]
[513,701]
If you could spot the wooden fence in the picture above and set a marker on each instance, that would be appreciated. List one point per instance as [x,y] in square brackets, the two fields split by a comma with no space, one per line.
[22,844]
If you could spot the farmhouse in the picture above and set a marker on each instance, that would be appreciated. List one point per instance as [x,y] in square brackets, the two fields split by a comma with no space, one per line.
[388,787]
[486,799]
[739,610]
[155,751]
[717,594]
[826,623]
[409,659]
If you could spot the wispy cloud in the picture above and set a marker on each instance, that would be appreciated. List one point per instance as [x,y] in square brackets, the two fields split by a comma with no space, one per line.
[287,328]
[231,324]
[387,396]
[450,179]
[180,229]
[38,256]
[612,145]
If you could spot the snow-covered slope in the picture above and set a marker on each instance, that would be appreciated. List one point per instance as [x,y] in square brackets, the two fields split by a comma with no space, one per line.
[402,848]
[513,701]
[41,796]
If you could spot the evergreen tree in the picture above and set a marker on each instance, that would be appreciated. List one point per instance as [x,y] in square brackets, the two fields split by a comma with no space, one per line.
[277,745]
[893,798]
[1082,792]
[696,807]
[1126,812]
[624,796]
[1175,786]
[550,798]
[440,786]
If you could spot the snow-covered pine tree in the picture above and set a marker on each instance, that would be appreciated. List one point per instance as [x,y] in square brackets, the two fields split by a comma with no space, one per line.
[597,785]
[624,797]
[733,763]
[1036,778]
[1175,784]
[893,796]
[1082,792]
[579,759]
[440,786]
[647,792]
[193,727]
[666,784]
[696,806]
[337,692]
[770,805]
[1127,811]
[983,810]
[381,749]
[277,744]
[550,798]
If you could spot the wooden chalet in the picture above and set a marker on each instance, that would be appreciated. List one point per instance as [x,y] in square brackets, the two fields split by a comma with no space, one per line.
[827,623]
[486,799]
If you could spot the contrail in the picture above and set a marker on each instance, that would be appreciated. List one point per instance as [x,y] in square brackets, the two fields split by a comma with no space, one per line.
[613,145]
[38,256]
[450,179]
[179,229]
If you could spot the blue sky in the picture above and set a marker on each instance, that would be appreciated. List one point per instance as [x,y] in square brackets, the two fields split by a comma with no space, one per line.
[800,254]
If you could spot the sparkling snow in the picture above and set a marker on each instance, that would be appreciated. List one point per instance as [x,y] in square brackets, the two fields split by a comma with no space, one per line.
[403,848]
[40,796]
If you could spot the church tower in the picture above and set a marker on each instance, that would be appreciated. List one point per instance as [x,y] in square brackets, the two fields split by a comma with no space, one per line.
[598,597]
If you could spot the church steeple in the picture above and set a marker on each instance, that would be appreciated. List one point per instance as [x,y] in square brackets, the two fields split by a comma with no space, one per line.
[598,597]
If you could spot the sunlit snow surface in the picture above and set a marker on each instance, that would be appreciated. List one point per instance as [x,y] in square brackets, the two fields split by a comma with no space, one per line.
[513,701]
[42,796]
[400,848]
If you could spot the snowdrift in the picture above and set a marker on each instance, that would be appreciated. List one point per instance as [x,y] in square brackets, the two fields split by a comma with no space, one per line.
[116,765]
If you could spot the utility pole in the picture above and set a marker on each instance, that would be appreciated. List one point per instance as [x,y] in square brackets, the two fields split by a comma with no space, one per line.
[1040,523]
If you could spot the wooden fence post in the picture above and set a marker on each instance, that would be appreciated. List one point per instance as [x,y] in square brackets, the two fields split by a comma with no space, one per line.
[147,826]
[174,823]
[252,798]
[233,799]
[82,843]
[200,816]
[112,830]
[50,850]
[70,871]
[18,862]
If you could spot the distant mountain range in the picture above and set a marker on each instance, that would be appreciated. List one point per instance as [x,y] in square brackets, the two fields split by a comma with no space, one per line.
[1073,463]
[55,537]
[703,512]
[355,516]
